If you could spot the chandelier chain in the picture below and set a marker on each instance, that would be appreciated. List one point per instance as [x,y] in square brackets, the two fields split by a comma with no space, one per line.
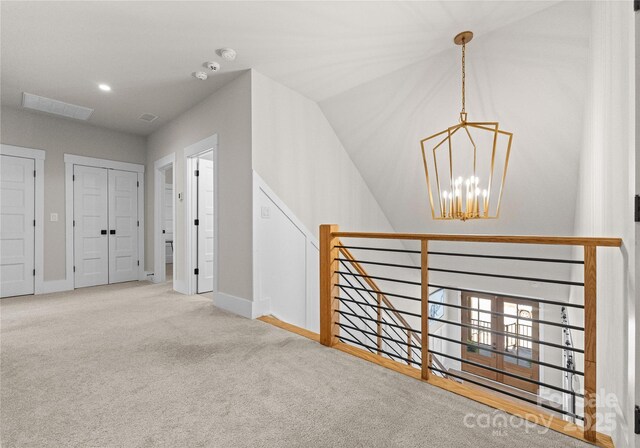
[463,74]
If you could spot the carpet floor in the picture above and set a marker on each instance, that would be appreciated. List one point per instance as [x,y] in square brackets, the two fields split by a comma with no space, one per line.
[138,365]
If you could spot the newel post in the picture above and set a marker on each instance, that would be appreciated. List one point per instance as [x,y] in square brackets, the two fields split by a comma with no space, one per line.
[328,284]
[424,280]
[590,276]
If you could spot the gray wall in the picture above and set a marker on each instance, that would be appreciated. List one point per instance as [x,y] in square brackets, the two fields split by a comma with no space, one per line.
[58,136]
[226,113]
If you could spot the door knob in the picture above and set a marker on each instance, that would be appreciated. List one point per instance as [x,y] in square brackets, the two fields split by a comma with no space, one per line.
[103,232]
[112,232]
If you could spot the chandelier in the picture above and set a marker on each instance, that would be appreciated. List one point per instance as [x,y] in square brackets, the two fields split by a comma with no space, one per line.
[468,163]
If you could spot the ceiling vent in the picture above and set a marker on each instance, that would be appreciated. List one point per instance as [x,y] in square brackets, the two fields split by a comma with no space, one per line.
[148,117]
[42,104]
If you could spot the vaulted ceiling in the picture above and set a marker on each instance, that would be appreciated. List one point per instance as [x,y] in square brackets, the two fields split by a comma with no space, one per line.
[147,51]
[530,75]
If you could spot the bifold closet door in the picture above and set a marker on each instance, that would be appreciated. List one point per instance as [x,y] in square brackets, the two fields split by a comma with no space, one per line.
[17,228]
[123,226]
[206,226]
[91,225]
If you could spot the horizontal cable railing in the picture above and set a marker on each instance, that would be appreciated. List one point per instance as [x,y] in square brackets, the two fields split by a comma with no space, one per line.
[470,317]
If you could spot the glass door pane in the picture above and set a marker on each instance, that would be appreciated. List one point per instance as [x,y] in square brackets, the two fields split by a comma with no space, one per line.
[477,336]
[519,328]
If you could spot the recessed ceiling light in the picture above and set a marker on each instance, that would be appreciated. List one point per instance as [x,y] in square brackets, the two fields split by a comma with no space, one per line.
[227,53]
[105,87]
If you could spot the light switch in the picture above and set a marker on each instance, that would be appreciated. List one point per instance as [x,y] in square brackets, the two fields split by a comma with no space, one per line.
[265,212]
[54,217]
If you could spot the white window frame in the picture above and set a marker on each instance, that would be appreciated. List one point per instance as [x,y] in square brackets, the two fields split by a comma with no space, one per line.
[38,155]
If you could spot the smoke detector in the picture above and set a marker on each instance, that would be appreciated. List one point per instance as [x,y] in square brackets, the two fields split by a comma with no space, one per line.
[227,53]
[202,76]
[213,66]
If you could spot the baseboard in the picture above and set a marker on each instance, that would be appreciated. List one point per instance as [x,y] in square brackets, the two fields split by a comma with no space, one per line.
[180,286]
[261,308]
[240,306]
[56,286]
[233,304]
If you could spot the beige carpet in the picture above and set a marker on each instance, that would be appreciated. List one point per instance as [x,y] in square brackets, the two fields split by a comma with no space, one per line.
[138,365]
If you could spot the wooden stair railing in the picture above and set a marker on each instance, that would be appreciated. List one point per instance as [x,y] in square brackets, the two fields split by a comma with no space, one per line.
[383,299]
[330,250]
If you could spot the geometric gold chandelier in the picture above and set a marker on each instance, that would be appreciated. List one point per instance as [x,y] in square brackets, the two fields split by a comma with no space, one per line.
[468,164]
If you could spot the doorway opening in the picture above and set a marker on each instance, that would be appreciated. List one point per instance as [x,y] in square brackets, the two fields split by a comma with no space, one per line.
[164,221]
[201,217]
[168,218]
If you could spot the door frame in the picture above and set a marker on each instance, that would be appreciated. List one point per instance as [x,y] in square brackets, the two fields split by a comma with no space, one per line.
[159,259]
[69,161]
[38,156]
[190,154]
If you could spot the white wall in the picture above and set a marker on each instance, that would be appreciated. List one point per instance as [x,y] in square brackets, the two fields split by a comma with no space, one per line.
[604,207]
[58,136]
[285,261]
[301,165]
[226,113]
[299,156]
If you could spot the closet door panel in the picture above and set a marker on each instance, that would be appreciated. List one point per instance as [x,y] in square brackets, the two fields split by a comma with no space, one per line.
[91,253]
[123,226]
[17,235]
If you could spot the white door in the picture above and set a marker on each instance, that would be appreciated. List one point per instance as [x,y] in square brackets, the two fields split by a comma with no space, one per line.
[205,226]
[168,222]
[123,226]
[91,225]
[17,226]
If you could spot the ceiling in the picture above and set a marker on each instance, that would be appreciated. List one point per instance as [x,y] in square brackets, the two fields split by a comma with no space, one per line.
[531,76]
[147,51]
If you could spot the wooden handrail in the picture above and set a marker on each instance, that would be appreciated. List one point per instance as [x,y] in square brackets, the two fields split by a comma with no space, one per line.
[554,240]
[331,248]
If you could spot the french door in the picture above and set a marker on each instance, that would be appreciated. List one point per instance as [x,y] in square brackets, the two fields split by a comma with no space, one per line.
[498,333]
[17,226]
[105,204]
